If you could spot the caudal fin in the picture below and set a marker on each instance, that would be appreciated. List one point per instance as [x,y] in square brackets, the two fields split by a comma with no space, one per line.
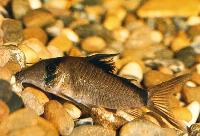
[159,97]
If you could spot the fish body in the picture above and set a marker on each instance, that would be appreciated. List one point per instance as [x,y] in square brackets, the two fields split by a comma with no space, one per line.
[90,81]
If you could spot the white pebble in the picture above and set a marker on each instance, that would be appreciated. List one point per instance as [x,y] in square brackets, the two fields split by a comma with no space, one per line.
[132,69]
[35,4]
[193,20]
[194,108]
[71,35]
[156,36]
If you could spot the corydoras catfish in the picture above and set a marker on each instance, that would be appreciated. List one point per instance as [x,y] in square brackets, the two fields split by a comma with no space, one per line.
[90,81]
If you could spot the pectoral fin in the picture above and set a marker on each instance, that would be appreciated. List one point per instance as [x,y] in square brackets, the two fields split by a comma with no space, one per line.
[159,97]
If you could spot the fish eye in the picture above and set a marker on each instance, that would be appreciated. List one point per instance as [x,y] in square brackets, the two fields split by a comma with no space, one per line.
[51,67]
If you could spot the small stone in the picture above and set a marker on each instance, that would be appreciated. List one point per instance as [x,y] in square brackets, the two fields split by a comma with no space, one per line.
[4,110]
[30,55]
[93,44]
[169,8]
[37,47]
[112,22]
[90,130]
[59,117]
[36,32]
[186,55]
[194,108]
[72,110]
[181,41]
[34,99]
[156,36]
[15,102]
[35,4]
[71,35]
[84,121]
[20,8]
[193,20]
[5,74]
[153,77]
[12,31]
[62,4]
[5,91]
[38,18]
[55,51]
[165,70]
[143,128]
[182,113]
[121,34]
[75,52]
[191,94]
[56,28]
[132,70]
[61,42]
[196,78]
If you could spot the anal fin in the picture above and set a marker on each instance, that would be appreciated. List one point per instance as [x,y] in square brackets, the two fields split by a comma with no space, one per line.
[159,97]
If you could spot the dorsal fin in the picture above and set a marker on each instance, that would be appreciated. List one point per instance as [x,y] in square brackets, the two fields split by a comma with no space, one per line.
[103,61]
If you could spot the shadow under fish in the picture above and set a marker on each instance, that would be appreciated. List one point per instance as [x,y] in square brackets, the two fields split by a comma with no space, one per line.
[90,82]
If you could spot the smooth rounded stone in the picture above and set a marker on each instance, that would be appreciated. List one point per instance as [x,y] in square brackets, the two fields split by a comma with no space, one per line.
[59,117]
[38,47]
[193,20]
[196,77]
[75,52]
[182,113]
[87,30]
[22,118]
[61,42]
[92,130]
[12,31]
[4,110]
[165,70]
[35,32]
[144,128]
[61,4]
[56,28]
[186,55]
[20,8]
[191,94]
[30,55]
[112,22]
[156,36]
[93,44]
[194,108]
[153,77]
[55,52]
[35,4]
[121,34]
[71,35]
[5,91]
[5,74]
[72,110]
[83,121]
[180,41]
[38,18]
[12,58]
[94,12]
[132,70]
[34,99]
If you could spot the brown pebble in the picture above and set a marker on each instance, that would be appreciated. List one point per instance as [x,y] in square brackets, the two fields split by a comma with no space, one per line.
[38,18]
[4,110]
[35,32]
[5,73]
[92,130]
[20,8]
[191,94]
[55,113]
[34,99]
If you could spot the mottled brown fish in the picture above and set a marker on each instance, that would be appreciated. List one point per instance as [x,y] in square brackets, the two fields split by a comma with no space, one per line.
[90,81]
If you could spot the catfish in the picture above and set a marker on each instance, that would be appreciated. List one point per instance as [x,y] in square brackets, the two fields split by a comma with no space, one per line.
[91,82]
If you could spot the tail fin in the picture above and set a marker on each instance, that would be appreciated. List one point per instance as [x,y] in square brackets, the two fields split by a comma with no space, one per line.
[159,97]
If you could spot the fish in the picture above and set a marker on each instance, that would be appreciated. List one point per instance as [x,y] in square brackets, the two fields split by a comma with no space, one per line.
[91,82]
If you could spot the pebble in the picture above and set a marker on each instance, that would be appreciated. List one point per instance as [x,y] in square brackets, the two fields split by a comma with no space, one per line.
[38,18]
[180,41]
[61,42]
[35,32]
[71,35]
[93,44]
[191,94]
[5,74]
[186,55]
[59,117]
[84,121]
[56,28]
[182,113]
[169,8]
[4,111]
[194,108]
[193,20]
[30,55]
[196,77]
[72,110]
[112,22]
[20,8]
[55,52]
[158,77]
[92,130]
[75,52]
[38,47]
[12,31]
[34,99]
[35,4]
[144,128]
[121,34]
[132,70]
